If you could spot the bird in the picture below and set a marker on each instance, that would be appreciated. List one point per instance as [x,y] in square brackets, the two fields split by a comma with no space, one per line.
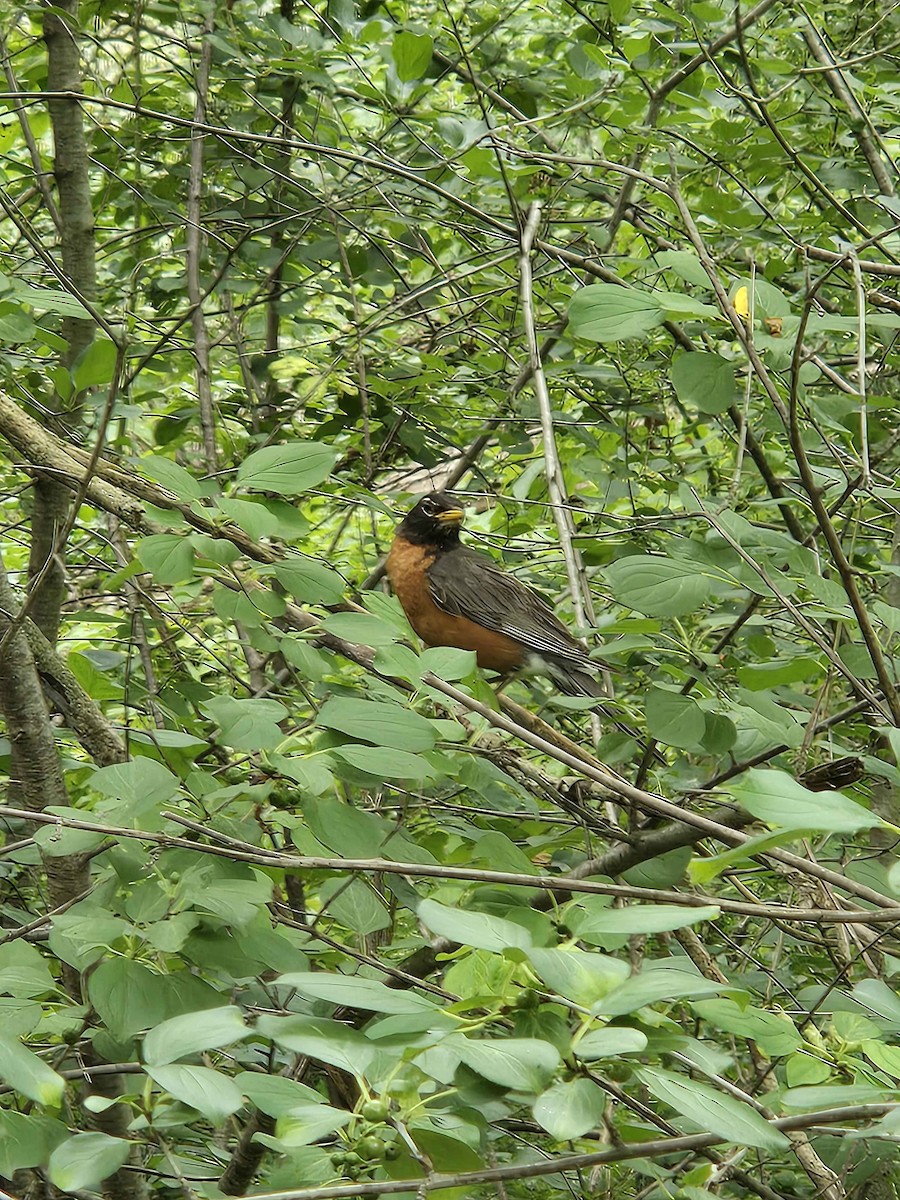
[456,596]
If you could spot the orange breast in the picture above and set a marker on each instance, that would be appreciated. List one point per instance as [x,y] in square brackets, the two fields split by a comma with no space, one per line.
[406,565]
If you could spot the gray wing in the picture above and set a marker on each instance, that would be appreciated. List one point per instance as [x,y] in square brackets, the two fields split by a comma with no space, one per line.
[465,583]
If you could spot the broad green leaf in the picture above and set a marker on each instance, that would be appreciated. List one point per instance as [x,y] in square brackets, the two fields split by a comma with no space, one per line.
[355,991]
[308,1122]
[412,54]
[704,380]
[23,971]
[288,470]
[712,1111]
[524,1064]
[95,365]
[128,996]
[247,724]
[192,1032]
[663,979]
[644,918]
[322,1039]
[447,662]
[171,475]
[27,1140]
[310,582]
[168,557]
[758,676]
[774,1033]
[778,799]
[86,1160]
[24,1072]
[210,1092]
[686,265]
[362,628]
[660,587]
[609,1042]
[605,312]
[833,1096]
[674,720]
[354,905]
[142,784]
[568,1110]
[804,1069]
[704,870]
[579,975]
[473,928]
[274,1094]
[679,306]
[385,763]
[253,518]
[886,1058]
[379,722]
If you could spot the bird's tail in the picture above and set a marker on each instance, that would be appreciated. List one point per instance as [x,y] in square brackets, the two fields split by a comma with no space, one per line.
[574,682]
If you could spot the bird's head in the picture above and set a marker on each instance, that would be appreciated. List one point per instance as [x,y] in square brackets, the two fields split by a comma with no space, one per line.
[434,521]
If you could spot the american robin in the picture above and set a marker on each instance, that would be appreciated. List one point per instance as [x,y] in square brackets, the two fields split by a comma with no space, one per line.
[455,596]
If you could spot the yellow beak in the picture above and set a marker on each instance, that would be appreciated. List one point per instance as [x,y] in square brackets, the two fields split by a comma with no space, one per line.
[453,516]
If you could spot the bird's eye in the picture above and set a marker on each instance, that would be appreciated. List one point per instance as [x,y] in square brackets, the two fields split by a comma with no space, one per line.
[429,508]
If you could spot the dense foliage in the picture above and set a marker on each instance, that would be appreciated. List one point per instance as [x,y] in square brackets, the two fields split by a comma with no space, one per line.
[290,904]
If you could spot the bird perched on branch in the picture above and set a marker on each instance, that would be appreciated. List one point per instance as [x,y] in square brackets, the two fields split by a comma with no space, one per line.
[455,596]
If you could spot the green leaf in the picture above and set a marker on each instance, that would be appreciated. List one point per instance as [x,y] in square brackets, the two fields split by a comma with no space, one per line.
[23,971]
[412,54]
[274,1094]
[779,800]
[712,1111]
[171,475]
[209,1092]
[355,991]
[288,470]
[473,928]
[657,586]
[322,1039]
[605,312]
[192,1032]
[169,557]
[774,1033]
[308,1122]
[758,676]
[384,763]
[27,1140]
[686,265]
[24,1072]
[95,365]
[524,1064]
[142,784]
[310,582]
[674,720]
[86,1160]
[447,662]
[662,979]
[704,380]
[580,975]
[247,724]
[254,518]
[568,1110]
[609,1042]
[643,918]
[354,905]
[833,1096]
[362,628]
[886,1058]
[379,722]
